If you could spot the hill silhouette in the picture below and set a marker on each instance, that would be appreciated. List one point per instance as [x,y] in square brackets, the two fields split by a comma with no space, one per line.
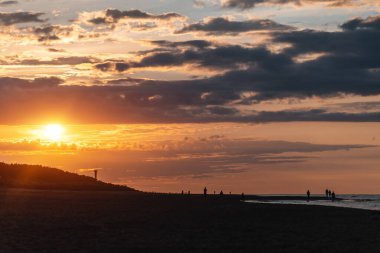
[40,177]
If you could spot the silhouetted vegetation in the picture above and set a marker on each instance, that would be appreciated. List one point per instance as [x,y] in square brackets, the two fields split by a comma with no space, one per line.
[40,177]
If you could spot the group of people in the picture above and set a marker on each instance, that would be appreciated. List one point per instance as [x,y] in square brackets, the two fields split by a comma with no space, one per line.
[221,193]
[188,193]
[205,192]
[329,195]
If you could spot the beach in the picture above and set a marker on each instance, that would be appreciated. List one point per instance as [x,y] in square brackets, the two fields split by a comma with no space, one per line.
[96,221]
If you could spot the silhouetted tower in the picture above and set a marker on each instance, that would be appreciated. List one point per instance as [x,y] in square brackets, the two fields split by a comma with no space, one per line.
[96,174]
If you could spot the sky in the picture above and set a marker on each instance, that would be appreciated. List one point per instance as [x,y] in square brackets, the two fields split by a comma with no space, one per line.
[254,96]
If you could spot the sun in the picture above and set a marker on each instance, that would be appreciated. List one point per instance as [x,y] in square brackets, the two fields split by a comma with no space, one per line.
[53,132]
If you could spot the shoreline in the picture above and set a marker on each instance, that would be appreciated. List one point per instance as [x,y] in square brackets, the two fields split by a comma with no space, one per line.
[314,203]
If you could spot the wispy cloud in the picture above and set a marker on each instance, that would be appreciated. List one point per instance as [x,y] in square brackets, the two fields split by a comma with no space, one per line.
[247,4]
[216,26]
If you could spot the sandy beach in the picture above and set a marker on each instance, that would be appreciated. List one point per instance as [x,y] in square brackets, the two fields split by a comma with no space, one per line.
[73,221]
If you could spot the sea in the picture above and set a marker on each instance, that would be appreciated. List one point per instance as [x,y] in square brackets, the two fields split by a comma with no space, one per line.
[367,202]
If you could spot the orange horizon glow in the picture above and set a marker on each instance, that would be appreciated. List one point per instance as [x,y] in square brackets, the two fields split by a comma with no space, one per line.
[169,157]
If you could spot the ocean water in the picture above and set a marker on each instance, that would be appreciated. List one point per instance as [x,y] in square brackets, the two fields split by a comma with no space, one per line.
[368,202]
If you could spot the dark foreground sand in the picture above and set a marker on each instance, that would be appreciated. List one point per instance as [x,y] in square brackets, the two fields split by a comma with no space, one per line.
[63,221]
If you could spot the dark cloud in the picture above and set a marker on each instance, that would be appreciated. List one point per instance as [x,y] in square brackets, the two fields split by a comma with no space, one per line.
[222,110]
[98,21]
[112,16]
[112,66]
[314,115]
[106,66]
[121,66]
[126,81]
[142,26]
[52,32]
[70,60]
[359,23]
[18,83]
[199,3]
[224,26]
[368,106]
[355,50]
[348,65]
[247,4]
[55,50]
[7,3]
[20,17]
[189,43]
[25,101]
[204,115]
[200,54]
[117,14]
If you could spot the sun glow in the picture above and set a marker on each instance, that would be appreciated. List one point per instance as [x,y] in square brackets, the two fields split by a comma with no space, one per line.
[53,132]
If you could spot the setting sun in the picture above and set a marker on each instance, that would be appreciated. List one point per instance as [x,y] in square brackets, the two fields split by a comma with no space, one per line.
[53,132]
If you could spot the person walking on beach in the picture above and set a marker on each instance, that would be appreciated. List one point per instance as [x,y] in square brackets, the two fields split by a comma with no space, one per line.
[242,196]
[327,193]
[221,193]
[308,195]
[205,192]
[333,196]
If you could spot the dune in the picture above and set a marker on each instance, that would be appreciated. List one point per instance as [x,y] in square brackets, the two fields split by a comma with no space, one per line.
[40,177]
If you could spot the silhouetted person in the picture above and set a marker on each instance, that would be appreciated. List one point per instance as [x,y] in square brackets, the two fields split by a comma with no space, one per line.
[221,193]
[327,193]
[188,193]
[333,196]
[182,192]
[205,192]
[308,195]
[242,196]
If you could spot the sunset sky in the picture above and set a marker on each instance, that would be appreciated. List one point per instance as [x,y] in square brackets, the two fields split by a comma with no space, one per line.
[255,96]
